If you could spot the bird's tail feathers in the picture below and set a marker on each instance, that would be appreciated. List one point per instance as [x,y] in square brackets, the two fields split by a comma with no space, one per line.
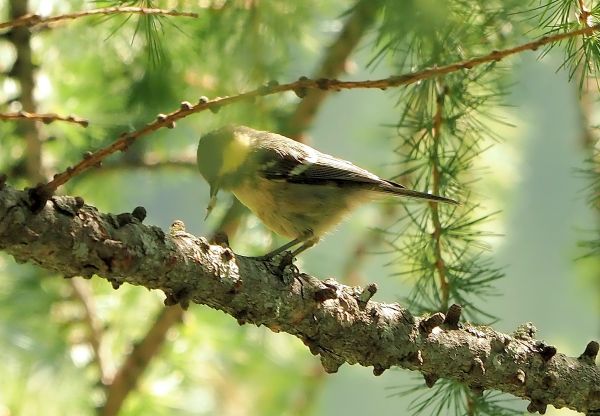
[396,189]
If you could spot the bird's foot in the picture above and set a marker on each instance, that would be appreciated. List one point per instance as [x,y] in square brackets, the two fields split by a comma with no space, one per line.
[278,262]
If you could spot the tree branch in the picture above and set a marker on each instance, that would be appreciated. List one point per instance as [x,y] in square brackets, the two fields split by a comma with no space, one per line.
[45,118]
[144,351]
[334,321]
[440,264]
[126,139]
[30,20]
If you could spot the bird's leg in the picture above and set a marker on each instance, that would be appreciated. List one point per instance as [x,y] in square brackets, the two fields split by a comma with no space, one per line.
[307,244]
[307,238]
[288,258]
[279,250]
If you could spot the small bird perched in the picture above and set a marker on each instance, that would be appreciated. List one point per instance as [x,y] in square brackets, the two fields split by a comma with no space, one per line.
[295,190]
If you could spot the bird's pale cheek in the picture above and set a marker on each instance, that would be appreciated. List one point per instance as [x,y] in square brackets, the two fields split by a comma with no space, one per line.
[236,152]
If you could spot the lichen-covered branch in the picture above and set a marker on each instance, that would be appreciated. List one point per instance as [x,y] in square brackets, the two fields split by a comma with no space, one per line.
[143,352]
[340,323]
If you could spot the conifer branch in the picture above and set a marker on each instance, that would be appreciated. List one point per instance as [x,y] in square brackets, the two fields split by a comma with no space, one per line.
[440,264]
[126,139]
[31,20]
[141,355]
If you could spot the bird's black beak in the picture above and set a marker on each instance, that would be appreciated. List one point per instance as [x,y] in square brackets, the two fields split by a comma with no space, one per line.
[214,190]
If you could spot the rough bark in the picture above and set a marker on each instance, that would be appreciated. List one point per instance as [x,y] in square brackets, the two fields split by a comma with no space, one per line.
[340,323]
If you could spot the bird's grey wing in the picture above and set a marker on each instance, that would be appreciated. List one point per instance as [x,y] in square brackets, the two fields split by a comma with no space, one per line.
[308,166]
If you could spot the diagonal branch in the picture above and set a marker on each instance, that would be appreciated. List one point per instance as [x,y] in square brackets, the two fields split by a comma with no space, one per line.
[44,191]
[335,321]
[31,20]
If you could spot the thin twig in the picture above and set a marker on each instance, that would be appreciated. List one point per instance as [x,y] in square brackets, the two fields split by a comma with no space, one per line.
[47,118]
[584,16]
[31,20]
[440,264]
[186,109]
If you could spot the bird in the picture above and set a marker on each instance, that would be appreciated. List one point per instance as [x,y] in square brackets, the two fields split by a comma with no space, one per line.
[295,190]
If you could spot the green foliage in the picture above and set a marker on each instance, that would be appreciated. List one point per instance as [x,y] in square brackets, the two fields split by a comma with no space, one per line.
[36,353]
[121,71]
[581,54]
[419,34]
[447,397]
[444,126]
[590,244]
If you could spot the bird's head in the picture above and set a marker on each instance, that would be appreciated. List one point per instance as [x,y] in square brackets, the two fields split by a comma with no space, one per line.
[222,155]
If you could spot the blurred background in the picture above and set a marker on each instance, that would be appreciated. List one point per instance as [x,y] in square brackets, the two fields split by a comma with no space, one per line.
[75,346]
